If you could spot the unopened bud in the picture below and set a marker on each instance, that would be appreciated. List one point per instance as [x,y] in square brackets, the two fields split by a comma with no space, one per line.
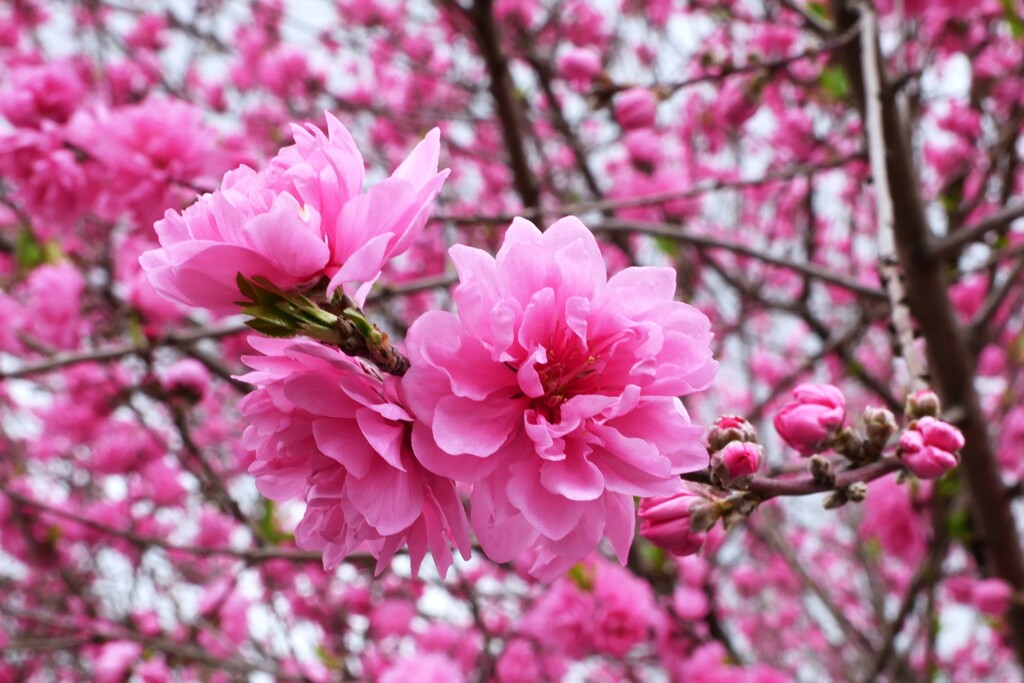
[736,464]
[880,425]
[729,428]
[923,403]
[677,523]
[857,491]
[822,472]
[929,447]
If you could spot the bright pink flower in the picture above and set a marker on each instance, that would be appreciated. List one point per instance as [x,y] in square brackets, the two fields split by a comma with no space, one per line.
[48,92]
[563,617]
[187,377]
[555,391]
[809,421]
[991,596]
[667,521]
[327,430]
[928,447]
[892,518]
[636,108]
[304,218]
[579,66]
[740,459]
[53,305]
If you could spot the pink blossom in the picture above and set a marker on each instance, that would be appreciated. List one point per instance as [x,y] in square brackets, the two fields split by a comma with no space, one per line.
[304,218]
[54,304]
[991,596]
[554,392]
[430,667]
[667,521]
[624,610]
[114,660]
[1011,441]
[809,421]
[580,66]
[364,230]
[187,377]
[635,108]
[151,152]
[48,92]
[325,429]
[242,228]
[891,518]
[562,617]
[928,447]
[518,663]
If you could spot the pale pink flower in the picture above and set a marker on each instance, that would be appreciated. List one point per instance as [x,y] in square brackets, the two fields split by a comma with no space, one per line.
[554,391]
[326,430]
[928,447]
[810,420]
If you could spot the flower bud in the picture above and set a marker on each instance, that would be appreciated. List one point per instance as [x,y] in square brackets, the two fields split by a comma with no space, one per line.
[677,523]
[636,108]
[729,428]
[188,378]
[880,425]
[923,403]
[579,66]
[809,421]
[736,463]
[929,447]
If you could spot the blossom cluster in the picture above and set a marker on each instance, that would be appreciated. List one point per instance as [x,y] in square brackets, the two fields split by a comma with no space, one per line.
[552,395]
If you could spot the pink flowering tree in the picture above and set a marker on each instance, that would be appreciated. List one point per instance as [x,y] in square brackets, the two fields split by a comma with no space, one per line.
[511,341]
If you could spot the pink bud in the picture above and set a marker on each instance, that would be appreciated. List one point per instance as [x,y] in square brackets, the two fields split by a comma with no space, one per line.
[741,459]
[928,447]
[667,522]
[991,596]
[808,422]
[580,66]
[730,428]
[188,377]
[635,108]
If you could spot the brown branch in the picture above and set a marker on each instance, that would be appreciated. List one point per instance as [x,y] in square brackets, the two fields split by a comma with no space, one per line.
[674,232]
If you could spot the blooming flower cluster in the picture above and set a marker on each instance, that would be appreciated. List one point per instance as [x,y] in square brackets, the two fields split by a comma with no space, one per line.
[553,393]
